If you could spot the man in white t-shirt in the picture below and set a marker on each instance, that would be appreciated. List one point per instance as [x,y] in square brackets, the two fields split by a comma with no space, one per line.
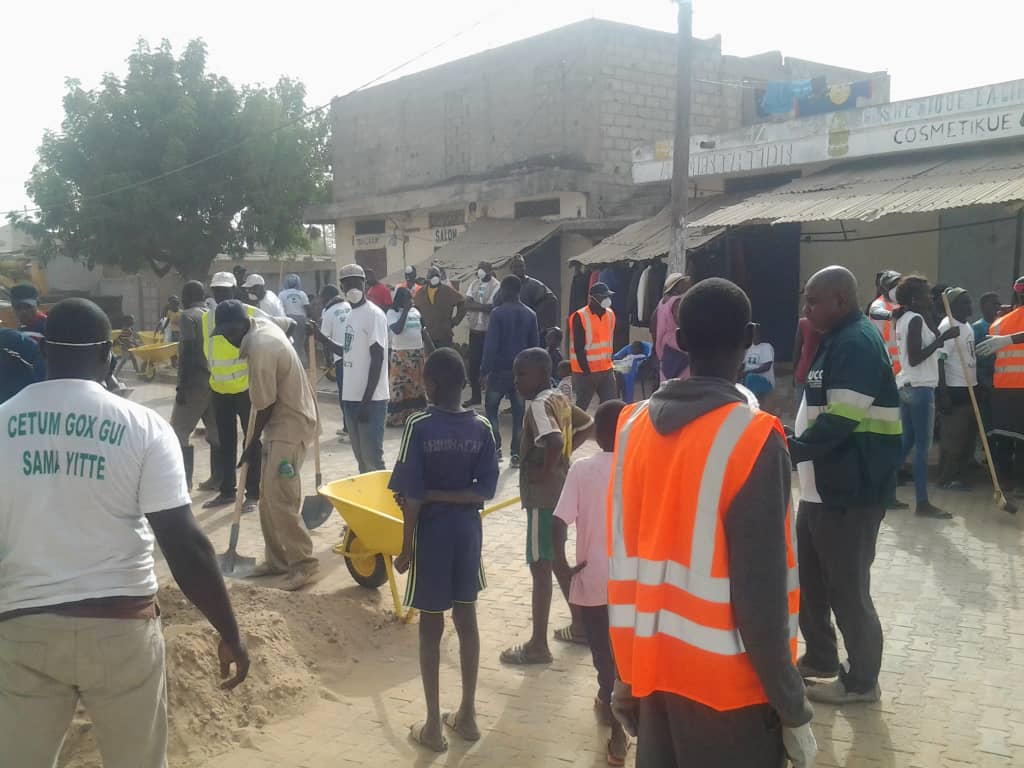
[364,386]
[759,366]
[957,434]
[90,481]
[255,287]
[295,302]
[479,304]
[331,332]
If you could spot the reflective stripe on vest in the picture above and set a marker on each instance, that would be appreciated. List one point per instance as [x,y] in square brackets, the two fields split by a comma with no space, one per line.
[229,374]
[667,609]
[1009,365]
[597,332]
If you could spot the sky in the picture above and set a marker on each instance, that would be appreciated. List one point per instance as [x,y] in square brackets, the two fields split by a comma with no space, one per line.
[927,46]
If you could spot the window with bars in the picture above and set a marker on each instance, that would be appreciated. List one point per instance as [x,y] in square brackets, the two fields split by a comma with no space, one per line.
[371,227]
[535,208]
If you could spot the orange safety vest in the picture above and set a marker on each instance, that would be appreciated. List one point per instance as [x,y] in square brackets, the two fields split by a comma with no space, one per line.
[1009,372]
[889,336]
[669,599]
[598,332]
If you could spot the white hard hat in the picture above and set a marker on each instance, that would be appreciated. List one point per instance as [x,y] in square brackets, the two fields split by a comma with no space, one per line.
[223,280]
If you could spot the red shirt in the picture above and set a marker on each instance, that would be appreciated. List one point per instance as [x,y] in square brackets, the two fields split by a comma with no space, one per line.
[808,349]
[380,295]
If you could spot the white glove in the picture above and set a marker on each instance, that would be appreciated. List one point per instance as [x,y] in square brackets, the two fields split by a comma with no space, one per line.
[993,344]
[800,744]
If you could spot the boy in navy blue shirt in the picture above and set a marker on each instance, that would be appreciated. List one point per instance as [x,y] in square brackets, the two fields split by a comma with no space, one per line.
[447,468]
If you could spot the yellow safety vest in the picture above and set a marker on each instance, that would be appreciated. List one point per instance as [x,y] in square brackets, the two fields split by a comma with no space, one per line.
[229,375]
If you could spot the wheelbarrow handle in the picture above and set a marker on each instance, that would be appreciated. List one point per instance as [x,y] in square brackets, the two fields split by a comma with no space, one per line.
[500,505]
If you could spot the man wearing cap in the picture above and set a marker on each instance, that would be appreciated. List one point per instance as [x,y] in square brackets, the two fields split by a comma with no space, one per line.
[193,399]
[90,479]
[25,303]
[591,331]
[21,363]
[441,308]
[258,295]
[229,382]
[1006,342]
[364,388]
[673,363]
[479,303]
[286,425]
[536,296]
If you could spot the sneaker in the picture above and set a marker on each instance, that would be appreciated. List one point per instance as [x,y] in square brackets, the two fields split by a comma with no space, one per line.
[835,693]
[513,462]
[220,500]
[928,510]
[809,670]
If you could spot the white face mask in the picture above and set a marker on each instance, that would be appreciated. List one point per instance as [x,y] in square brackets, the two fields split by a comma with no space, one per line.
[481,274]
[606,303]
[353,295]
[435,281]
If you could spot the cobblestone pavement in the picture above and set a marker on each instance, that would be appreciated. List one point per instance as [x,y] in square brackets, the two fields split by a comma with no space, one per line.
[948,594]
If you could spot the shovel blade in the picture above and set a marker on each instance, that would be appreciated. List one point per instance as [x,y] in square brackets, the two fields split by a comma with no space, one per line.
[233,564]
[315,511]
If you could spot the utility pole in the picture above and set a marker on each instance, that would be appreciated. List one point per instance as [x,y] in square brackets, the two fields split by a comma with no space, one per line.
[681,141]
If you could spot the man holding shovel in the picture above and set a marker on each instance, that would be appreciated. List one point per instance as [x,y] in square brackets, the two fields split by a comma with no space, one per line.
[90,479]
[286,425]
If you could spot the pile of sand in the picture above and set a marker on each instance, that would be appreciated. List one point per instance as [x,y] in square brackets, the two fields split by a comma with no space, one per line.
[299,644]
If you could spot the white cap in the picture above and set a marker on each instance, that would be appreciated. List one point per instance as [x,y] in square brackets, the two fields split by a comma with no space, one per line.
[223,280]
[351,270]
[253,280]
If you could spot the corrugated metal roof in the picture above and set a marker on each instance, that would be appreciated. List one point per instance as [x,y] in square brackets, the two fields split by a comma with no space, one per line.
[649,238]
[493,240]
[869,190]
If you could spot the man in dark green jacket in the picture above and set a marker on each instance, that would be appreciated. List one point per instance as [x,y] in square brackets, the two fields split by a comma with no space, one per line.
[847,450]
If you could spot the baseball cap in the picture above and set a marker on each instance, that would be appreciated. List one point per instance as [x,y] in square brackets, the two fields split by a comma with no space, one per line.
[253,280]
[351,270]
[889,279]
[230,312]
[952,294]
[24,293]
[673,280]
[601,289]
[223,280]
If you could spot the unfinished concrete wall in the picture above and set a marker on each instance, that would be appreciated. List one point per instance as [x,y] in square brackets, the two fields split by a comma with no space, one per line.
[978,257]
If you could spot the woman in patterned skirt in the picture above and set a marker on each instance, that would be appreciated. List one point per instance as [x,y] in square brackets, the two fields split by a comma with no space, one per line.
[409,348]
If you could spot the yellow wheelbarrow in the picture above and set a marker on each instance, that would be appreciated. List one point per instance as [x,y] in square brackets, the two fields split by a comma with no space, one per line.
[151,355]
[373,530]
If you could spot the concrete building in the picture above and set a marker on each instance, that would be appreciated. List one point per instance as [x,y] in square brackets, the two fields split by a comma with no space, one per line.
[541,130]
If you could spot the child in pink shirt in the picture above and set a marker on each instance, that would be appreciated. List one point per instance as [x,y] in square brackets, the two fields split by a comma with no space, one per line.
[584,501]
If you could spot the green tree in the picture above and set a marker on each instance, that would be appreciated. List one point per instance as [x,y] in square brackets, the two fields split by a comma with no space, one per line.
[173,165]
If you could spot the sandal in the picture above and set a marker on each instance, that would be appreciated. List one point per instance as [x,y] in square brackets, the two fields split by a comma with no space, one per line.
[519,656]
[451,719]
[565,635]
[614,759]
[416,735]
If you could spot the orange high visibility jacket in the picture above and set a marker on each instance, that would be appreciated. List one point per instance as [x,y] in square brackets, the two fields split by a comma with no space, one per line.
[888,334]
[669,599]
[598,332]
[1009,360]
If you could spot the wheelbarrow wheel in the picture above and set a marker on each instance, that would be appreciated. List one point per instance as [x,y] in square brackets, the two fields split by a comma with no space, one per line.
[367,568]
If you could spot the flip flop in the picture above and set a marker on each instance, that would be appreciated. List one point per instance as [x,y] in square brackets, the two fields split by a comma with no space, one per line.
[614,759]
[565,635]
[416,735]
[517,655]
[451,719]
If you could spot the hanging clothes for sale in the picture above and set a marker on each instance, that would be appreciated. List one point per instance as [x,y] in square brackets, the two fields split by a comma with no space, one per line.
[653,291]
[634,294]
[579,290]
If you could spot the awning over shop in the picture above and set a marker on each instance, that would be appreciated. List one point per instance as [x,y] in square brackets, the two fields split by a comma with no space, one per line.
[647,239]
[870,190]
[493,240]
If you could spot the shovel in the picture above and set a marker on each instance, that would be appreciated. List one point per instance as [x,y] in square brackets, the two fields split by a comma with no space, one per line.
[315,508]
[998,496]
[231,563]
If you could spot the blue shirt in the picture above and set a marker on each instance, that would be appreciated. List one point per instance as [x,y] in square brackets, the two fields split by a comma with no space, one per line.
[21,363]
[512,328]
[444,451]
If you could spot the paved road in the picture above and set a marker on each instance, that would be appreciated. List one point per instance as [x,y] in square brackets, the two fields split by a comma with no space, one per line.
[948,594]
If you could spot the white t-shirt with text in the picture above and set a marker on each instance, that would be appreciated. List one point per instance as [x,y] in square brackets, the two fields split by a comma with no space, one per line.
[271,305]
[411,336]
[482,293]
[364,327]
[294,302]
[80,469]
[758,355]
[332,323]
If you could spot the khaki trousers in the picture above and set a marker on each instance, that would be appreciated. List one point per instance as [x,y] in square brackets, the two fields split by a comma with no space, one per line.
[198,405]
[116,668]
[288,546]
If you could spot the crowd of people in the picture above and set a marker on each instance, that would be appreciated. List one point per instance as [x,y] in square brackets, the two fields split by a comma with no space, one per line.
[692,574]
